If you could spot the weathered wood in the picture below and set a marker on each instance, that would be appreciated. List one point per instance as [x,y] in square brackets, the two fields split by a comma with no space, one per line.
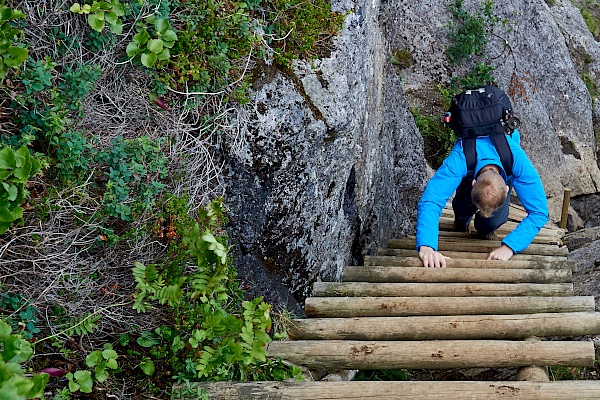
[534,373]
[434,354]
[401,390]
[565,208]
[540,239]
[447,224]
[468,255]
[480,246]
[355,289]
[389,261]
[444,327]
[348,307]
[421,274]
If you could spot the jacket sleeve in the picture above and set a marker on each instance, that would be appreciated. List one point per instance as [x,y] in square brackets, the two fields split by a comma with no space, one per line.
[439,189]
[528,185]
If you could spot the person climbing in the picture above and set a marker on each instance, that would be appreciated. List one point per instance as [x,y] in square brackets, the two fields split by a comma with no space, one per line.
[484,165]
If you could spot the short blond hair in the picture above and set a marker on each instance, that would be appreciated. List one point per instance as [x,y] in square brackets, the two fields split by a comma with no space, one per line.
[489,192]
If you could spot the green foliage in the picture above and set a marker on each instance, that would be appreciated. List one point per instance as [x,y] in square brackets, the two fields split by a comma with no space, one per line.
[438,138]
[591,84]
[13,382]
[481,74]
[23,319]
[469,33]
[132,167]
[152,44]
[402,58]
[102,12]
[16,167]
[102,362]
[591,19]
[384,375]
[217,38]
[215,338]
[11,56]
[82,326]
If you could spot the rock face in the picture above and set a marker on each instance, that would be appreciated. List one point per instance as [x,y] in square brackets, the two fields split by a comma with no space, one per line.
[326,163]
[327,166]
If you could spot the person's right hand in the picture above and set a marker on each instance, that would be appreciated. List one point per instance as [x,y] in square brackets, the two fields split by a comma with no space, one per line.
[431,258]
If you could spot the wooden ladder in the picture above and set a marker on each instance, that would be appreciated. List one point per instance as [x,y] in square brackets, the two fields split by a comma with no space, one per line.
[392,313]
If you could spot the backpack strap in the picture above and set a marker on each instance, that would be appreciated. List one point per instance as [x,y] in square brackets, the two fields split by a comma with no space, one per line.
[502,147]
[470,151]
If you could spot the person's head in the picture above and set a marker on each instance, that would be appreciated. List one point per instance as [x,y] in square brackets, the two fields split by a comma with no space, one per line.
[489,190]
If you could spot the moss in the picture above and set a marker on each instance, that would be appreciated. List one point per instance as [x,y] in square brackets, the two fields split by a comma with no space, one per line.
[402,58]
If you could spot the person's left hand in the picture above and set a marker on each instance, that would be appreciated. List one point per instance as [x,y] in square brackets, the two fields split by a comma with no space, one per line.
[501,253]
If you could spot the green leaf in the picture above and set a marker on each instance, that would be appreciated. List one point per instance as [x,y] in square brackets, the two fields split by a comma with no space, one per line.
[16,349]
[101,374]
[117,27]
[5,331]
[161,25]
[96,21]
[39,384]
[86,9]
[76,8]
[85,381]
[141,37]
[109,354]
[93,358]
[7,158]
[12,192]
[169,36]
[112,364]
[148,59]
[117,7]
[164,55]
[133,49]
[155,45]
[147,339]
[73,386]
[111,18]
[17,56]
[7,215]
[147,367]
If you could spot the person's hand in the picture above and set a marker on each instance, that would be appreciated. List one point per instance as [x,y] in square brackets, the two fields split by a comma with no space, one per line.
[431,258]
[501,253]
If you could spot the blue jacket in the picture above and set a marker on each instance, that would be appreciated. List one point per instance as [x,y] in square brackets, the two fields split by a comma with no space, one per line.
[525,179]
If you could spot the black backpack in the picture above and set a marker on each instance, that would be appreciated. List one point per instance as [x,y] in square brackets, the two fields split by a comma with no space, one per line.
[483,111]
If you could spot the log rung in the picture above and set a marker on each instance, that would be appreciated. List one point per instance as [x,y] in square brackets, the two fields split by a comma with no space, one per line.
[348,307]
[463,327]
[480,246]
[435,354]
[473,255]
[414,261]
[401,390]
[362,289]
[447,275]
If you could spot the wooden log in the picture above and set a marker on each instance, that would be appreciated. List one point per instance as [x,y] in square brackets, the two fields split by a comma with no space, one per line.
[480,246]
[433,354]
[400,390]
[468,255]
[565,208]
[358,289]
[390,261]
[447,224]
[535,373]
[344,307]
[454,275]
[539,239]
[447,327]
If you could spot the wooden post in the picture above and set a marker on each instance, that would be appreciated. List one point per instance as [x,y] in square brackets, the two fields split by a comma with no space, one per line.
[565,208]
